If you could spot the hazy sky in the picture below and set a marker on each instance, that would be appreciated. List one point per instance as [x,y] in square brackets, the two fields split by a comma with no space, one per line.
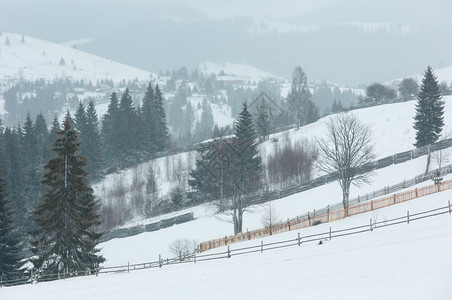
[257,8]
[353,41]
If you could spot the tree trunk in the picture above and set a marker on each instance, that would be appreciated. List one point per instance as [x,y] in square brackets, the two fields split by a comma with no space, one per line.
[345,197]
[428,161]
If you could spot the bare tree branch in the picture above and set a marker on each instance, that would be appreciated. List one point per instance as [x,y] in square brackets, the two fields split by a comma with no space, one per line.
[345,150]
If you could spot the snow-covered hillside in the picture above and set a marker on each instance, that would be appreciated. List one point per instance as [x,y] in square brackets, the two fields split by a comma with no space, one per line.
[235,72]
[406,261]
[385,263]
[443,75]
[392,127]
[35,58]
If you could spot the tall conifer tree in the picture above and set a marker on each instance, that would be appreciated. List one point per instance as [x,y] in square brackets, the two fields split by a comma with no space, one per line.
[159,127]
[429,118]
[93,143]
[147,118]
[66,241]
[110,129]
[127,139]
[10,259]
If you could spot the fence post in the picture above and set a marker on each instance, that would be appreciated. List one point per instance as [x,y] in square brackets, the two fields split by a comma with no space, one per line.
[299,239]
[262,246]
[372,205]
[408,217]
[195,257]
[449,207]
[31,277]
[370,224]
[160,260]
[309,219]
[330,233]
[229,252]
[128,266]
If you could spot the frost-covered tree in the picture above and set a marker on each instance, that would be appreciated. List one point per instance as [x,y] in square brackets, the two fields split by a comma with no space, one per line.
[65,241]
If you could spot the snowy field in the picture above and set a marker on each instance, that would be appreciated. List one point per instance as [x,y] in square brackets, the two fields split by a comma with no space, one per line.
[407,261]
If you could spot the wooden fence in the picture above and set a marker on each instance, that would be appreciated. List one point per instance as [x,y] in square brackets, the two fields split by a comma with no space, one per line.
[354,209]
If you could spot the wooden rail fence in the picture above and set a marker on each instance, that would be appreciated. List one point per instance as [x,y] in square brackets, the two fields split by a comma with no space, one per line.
[354,209]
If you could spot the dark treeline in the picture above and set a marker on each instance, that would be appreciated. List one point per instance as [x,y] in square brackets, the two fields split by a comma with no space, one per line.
[127,136]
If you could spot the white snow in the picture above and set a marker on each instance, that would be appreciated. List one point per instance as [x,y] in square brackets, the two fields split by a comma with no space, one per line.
[443,74]
[392,133]
[407,261]
[37,58]
[234,71]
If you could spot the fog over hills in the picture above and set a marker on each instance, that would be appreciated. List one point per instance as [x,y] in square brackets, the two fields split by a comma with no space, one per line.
[347,41]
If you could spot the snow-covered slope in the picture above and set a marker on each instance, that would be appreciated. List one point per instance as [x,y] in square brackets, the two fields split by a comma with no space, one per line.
[35,58]
[443,75]
[406,261]
[231,71]
[391,124]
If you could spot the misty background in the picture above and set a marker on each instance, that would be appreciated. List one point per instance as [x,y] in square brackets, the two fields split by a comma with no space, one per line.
[351,42]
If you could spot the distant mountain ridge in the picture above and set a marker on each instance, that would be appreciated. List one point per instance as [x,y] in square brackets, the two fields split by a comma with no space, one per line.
[31,58]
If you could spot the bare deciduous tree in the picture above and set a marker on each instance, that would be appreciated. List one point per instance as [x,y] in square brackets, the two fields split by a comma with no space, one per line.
[441,156]
[270,215]
[344,152]
[183,249]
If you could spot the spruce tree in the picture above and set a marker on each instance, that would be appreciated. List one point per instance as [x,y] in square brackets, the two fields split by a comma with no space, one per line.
[80,124]
[110,129]
[245,175]
[42,137]
[147,118]
[66,241]
[31,171]
[127,136]
[12,168]
[93,143]
[429,118]
[159,127]
[53,134]
[10,258]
